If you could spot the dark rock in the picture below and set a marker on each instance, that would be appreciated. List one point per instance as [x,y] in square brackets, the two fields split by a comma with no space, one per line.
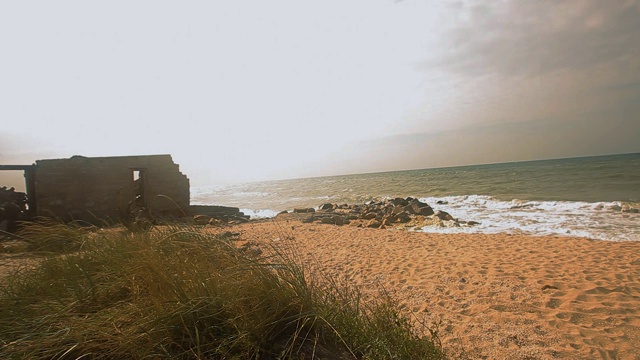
[214,211]
[370,215]
[239,219]
[224,213]
[400,202]
[338,220]
[443,215]
[403,217]
[373,223]
[201,219]
[420,208]
[409,210]
[327,206]
[304,210]
[283,212]
[309,219]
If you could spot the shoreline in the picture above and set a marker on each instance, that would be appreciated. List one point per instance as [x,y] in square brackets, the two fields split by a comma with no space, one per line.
[494,295]
[609,221]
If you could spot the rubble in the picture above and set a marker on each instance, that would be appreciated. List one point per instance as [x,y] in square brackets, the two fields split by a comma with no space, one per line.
[217,215]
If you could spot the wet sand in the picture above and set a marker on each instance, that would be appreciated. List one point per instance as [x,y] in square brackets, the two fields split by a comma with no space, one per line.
[495,296]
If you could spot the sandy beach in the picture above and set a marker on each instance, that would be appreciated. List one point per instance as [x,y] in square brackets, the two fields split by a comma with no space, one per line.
[495,296]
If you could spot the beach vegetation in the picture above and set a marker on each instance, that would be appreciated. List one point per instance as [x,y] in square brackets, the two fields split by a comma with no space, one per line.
[181,292]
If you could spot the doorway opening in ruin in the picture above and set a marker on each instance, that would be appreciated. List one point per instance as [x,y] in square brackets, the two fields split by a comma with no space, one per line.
[139,186]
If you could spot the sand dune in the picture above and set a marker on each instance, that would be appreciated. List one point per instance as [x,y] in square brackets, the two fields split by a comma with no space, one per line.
[495,296]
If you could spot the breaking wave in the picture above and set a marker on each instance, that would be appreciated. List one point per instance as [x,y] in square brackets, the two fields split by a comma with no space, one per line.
[600,220]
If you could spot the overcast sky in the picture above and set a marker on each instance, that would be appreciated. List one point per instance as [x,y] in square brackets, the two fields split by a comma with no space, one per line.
[253,90]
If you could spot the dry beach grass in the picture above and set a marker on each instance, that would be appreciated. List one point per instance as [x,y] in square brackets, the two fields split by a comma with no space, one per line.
[495,296]
[181,292]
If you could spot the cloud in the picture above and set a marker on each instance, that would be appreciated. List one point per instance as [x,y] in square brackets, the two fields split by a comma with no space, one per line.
[520,38]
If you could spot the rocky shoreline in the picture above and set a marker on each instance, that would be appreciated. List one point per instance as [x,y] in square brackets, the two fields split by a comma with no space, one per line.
[405,213]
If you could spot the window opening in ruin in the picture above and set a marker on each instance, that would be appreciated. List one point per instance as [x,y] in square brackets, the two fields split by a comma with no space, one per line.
[13,179]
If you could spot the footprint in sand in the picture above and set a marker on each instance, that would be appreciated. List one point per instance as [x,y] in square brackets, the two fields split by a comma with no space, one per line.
[553,303]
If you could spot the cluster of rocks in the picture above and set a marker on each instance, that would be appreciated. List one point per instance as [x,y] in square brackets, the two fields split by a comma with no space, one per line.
[217,215]
[398,212]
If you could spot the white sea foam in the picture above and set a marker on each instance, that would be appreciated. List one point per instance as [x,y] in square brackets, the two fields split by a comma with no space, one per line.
[602,220]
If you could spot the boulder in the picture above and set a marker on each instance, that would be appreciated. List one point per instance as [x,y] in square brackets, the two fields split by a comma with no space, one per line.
[327,206]
[420,208]
[239,219]
[304,210]
[335,220]
[399,202]
[215,222]
[310,219]
[369,215]
[402,217]
[373,223]
[201,219]
[443,215]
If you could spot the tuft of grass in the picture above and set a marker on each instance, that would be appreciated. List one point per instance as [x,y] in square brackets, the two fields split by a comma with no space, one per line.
[179,292]
[47,235]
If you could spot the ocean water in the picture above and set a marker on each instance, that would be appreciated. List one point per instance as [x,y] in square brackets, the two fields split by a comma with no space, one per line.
[595,197]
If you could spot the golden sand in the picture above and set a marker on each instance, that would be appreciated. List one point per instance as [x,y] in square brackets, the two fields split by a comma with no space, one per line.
[495,296]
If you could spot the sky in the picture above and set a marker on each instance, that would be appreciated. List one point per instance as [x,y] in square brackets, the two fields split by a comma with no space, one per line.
[254,90]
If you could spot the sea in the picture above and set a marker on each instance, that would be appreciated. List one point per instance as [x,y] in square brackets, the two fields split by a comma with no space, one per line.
[595,197]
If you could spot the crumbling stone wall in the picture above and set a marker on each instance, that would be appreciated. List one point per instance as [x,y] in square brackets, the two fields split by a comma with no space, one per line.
[94,189]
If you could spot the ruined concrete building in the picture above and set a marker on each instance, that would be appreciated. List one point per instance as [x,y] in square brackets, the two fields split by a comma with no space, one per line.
[100,188]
